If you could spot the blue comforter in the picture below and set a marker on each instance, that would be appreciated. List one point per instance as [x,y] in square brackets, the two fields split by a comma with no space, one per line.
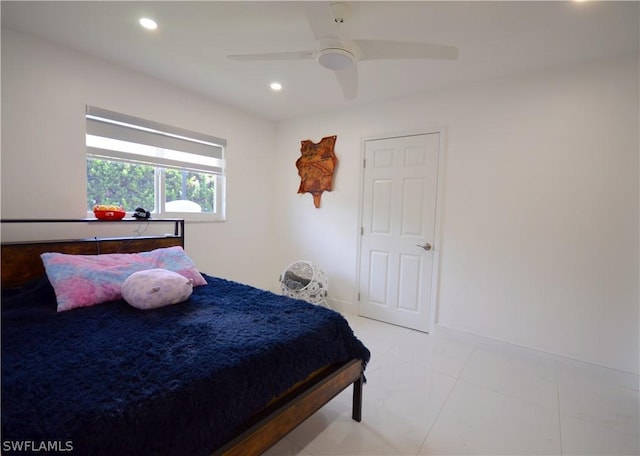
[178,380]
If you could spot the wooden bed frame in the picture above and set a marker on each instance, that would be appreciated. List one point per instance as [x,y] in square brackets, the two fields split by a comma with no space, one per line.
[21,263]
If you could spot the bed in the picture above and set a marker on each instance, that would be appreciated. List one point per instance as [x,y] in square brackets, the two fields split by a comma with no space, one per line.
[230,371]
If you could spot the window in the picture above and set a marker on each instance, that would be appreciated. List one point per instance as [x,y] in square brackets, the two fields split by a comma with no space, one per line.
[167,170]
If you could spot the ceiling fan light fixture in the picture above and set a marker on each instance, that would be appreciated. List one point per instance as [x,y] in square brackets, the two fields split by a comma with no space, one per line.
[335,59]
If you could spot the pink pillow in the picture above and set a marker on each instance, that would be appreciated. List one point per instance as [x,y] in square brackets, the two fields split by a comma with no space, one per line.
[86,280]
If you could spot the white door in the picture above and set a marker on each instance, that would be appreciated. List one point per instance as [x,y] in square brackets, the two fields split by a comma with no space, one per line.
[398,225]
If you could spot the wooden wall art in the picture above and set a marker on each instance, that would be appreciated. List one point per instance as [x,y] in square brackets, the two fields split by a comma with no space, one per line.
[316,167]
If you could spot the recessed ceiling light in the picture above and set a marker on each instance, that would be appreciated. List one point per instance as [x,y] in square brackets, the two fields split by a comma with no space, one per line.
[276,86]
[149,24]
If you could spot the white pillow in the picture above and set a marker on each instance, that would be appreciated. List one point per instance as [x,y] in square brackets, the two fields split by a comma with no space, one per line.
[154,288]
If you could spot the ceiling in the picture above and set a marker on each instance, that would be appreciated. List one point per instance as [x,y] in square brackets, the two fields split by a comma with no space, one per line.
[190,45]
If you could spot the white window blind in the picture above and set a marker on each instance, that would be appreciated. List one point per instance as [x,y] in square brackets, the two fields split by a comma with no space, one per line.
[119,136]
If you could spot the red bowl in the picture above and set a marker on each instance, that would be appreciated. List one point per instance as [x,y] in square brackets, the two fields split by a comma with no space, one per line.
[109,215]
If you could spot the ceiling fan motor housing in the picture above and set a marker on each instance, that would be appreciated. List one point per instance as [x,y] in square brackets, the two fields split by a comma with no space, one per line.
[335,58]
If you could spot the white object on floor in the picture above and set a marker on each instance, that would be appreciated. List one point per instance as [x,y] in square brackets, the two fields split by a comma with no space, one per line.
[304,280]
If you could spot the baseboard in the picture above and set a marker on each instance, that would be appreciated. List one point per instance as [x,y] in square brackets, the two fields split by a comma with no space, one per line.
[344,307]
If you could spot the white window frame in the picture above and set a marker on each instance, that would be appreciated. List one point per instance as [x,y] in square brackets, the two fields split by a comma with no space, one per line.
[168,147]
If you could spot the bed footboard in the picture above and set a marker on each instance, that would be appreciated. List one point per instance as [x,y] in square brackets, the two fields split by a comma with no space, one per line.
[289,411]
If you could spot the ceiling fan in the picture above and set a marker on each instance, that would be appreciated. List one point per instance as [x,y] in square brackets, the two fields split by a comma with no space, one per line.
[341,55]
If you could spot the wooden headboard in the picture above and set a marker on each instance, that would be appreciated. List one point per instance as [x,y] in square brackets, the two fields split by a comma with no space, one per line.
[21,262]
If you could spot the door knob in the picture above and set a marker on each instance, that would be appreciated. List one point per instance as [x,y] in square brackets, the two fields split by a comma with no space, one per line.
[426,246]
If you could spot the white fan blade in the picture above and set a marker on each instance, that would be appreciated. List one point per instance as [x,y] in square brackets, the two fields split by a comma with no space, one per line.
[321,21]
[348,79]
[380,49]
[296,55]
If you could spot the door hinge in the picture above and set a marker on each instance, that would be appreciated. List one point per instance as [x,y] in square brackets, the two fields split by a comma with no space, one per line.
[358,296]
[364,163]
[362,231]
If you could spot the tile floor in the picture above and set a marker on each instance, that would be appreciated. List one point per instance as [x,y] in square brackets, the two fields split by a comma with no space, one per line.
[449,393]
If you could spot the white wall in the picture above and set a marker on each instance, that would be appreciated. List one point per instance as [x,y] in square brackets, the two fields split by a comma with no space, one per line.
[44,92]
[540,218]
